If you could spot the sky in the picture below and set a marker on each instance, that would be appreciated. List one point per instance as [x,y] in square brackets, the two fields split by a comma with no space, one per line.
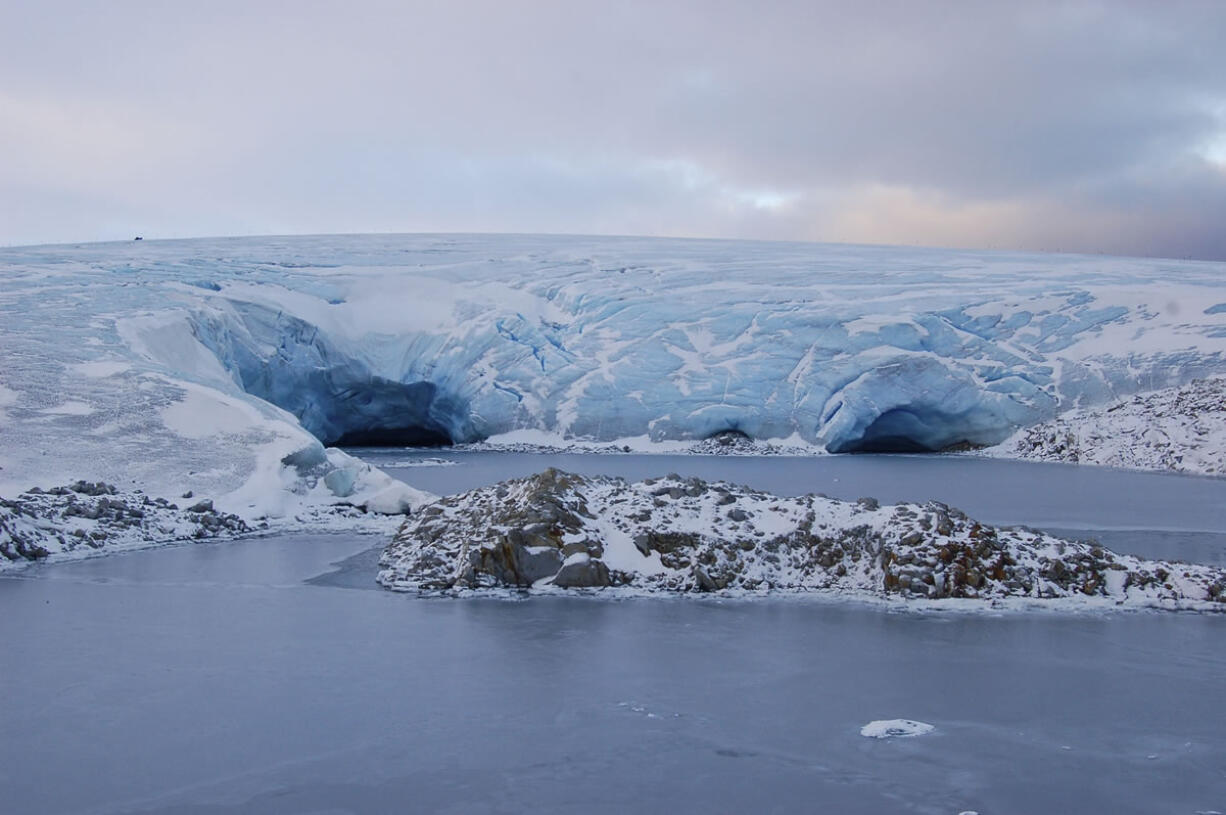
[1074,126]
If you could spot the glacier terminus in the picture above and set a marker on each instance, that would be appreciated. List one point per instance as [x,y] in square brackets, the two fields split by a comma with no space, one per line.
[237,361]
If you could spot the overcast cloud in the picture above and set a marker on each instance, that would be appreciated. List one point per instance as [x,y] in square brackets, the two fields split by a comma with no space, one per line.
[1096,127]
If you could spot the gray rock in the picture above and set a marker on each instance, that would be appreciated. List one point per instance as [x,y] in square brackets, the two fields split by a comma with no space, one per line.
[582,573]
[92,488]
[704,581]
[573,549]
[512,563]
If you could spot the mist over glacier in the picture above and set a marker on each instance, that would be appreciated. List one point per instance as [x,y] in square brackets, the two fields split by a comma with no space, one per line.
[203,363]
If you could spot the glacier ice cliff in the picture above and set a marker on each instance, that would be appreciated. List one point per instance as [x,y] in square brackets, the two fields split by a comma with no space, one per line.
[208,364]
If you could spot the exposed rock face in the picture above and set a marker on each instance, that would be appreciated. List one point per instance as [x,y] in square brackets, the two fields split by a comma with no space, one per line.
[1181,429]
[562,530]
[528,536]
[581,571]
[88,515]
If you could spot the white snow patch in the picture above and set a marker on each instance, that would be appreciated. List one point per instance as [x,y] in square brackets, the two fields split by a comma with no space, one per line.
[206,412]
[895,729]
[166,337]
[101,369]
[873,323]
[621,553]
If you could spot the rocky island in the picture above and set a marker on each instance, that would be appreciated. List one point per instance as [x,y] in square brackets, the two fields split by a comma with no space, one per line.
[556,530]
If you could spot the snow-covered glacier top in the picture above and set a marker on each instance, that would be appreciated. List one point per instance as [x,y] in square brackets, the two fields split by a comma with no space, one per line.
[222,356]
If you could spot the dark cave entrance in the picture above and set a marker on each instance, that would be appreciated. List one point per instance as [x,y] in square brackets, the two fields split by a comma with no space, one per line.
[346,407]
[393,437]
[887,444]
[908,430]
[333,393]
[378,412]
[729,436]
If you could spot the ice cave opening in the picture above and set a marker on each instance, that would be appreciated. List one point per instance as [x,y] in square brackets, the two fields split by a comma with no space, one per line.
[335,394]
[729,435]
[347,411]
[344,406]
[412,436]
[909,430]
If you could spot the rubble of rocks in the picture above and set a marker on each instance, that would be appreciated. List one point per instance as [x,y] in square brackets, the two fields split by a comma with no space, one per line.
[735,443]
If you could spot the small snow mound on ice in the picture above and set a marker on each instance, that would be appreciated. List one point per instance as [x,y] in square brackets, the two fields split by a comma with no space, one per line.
[101,369]
[895,728]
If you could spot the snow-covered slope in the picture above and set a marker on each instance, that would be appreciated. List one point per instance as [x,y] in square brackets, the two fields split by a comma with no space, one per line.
[558,530]
[219,365]
[1181,428]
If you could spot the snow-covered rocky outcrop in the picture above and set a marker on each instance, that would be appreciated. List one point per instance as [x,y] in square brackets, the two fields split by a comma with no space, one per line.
[557,530]
[88,517]
[221,366]
[1181,429]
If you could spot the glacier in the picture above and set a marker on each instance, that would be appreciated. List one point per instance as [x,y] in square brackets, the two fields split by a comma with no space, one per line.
[232,366]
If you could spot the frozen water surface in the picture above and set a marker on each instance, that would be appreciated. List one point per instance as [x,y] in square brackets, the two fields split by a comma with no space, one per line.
[256,677]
